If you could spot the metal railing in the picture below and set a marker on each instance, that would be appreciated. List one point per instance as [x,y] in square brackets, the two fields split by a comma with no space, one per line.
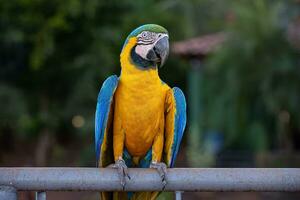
[179,179]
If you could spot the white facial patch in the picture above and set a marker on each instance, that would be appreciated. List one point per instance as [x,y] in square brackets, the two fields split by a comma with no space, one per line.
[146,42]
[142,50]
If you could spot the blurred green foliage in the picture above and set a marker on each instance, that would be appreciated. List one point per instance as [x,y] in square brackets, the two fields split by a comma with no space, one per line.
[54,56]
[252,82]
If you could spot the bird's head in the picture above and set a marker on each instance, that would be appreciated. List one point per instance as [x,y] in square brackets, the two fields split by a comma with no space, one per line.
[147,46]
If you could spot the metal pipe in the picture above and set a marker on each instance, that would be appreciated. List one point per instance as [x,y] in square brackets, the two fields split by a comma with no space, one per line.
[7,193]
[40,195]
[178,195]
[184,179]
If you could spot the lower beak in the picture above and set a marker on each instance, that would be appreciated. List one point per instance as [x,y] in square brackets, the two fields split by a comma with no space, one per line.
[161,49]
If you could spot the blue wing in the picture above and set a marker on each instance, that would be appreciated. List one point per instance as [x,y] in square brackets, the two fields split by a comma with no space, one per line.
[175,124]
[103,121]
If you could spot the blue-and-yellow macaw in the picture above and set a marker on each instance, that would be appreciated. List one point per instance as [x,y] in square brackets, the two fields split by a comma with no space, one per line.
[139,119]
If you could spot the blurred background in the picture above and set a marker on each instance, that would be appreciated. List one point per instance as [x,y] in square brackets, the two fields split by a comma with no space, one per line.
[238,63]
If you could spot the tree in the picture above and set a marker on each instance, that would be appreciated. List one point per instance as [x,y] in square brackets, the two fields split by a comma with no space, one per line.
[252,81]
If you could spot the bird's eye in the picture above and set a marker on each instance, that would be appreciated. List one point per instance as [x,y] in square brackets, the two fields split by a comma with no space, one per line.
[144,34]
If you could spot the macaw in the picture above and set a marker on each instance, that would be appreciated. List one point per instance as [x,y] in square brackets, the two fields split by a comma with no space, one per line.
[139,120]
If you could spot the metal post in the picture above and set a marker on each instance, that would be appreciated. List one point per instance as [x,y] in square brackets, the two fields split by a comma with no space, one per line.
[41,195]
[194,98]
[178,195]
[8,193]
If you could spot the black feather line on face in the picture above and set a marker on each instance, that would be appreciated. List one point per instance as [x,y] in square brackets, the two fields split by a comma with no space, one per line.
[142,42]
[139,61]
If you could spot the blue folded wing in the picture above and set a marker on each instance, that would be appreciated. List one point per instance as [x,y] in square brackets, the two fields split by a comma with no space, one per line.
[103,121]
[180,121]
[175,125]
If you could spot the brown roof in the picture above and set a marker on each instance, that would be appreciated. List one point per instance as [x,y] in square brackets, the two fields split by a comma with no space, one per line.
[199,46]
[293,33]
[203,45]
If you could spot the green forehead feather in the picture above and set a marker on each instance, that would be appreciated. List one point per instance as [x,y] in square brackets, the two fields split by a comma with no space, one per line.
[147,27]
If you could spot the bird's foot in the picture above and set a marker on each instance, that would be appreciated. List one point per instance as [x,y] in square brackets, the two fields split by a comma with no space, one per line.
[162,171]
[122,171]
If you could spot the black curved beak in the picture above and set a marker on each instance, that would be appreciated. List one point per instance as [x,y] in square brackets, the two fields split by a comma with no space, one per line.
[159,53]
[161,49]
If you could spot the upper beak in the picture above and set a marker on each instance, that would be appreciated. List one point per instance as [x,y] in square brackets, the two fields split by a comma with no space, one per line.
[161,49]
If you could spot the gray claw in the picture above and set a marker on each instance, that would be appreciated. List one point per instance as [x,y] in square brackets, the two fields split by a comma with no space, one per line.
[122,171]
[162,171]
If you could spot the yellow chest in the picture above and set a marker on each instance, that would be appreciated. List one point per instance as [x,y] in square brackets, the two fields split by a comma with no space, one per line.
[140,96]
[139,104]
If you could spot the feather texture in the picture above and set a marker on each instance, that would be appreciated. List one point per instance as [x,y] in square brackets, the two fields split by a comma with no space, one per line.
[174,124]
[103,111]
[180,122]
